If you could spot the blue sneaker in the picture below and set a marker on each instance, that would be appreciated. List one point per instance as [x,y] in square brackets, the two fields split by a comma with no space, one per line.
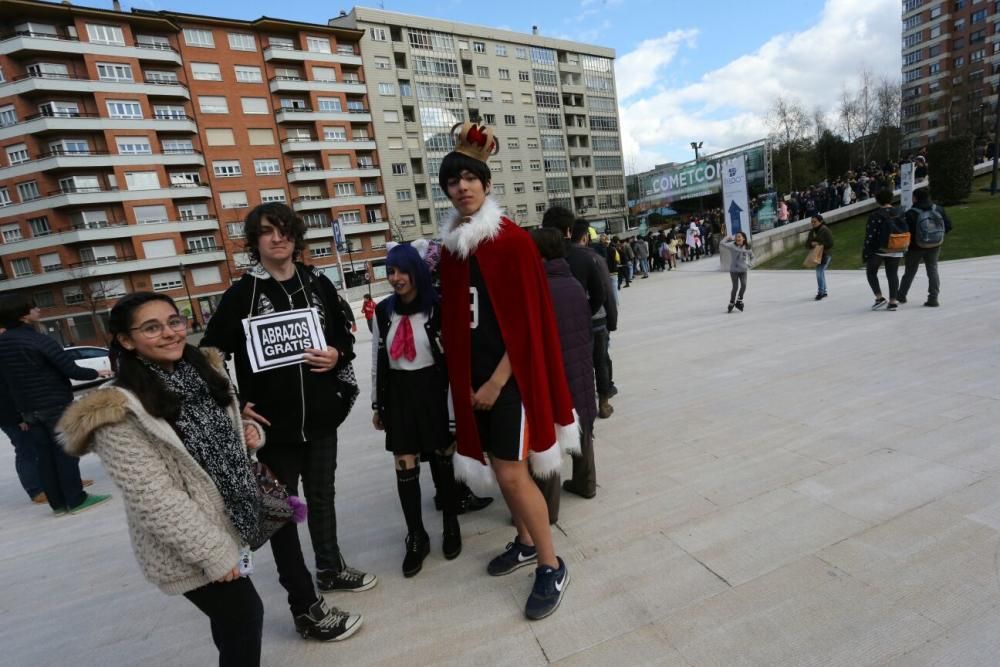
[550,584]
[516,556]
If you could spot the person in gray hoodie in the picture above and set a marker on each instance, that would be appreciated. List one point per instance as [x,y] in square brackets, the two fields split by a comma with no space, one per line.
[741,259]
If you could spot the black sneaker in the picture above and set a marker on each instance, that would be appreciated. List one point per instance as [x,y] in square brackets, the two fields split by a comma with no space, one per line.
[612,391]
[348,579]
[901,299]
[729,309]
[547,593]
[467,501]
[932,303]
[515,557]
[327,624]
[418,545]
[879,302]
[892,306]
[739,306]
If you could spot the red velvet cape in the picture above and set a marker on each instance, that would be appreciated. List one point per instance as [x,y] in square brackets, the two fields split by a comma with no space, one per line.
[515,279]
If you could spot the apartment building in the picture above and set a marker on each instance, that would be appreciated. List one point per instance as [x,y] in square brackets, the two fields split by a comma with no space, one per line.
[132,145]
[552,103]
[951,54]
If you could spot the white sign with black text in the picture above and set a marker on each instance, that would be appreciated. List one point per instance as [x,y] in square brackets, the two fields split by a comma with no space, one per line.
[281,339]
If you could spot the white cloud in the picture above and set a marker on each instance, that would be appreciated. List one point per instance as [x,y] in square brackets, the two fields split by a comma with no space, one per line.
[728,106]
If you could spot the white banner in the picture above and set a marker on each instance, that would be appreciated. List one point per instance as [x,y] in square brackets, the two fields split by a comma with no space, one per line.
[735,200]
[906,185]
[281,339]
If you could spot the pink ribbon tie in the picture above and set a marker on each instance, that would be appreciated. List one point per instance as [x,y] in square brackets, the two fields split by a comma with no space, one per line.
[403,344]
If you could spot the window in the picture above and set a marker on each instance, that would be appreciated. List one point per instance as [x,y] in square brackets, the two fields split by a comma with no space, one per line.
[978,16]
[499,189]
[184,179]
[386,89]
[166,280]
[213,104]
[193,212]
[153,42]
[28,191]
[507,98]
[515,165]
[504,74]
[383,62]
[254,105]
[72,295]
[50,262]
[133,146]
[221,136]
[490,118]
[344,189]
[7,115]
[497,165]
[4,197]
[318,44]
[206,275]
[320,250]
[114,72]
[169,111]
[527,98]
[196,37]
[272,195]
[142,180]
[92,219]
[479,47]
[521,52]
[21,267]
[537,186]
[235,230]
[150,215]
[350,218]
[501,50]
[395,143]
[241,41]
[429,66]
[161,76]
[546,99]
[261,137]
[513,144]
[44,299]
[509,119]
[390,116]
[124,109]
[247,74]
[105,34]
[398,168]
[535,165]
[532,142]
[486,95]
[334,134]
[482,71]
[79,184]
[227,168]
[379,34]
[268,167]
[544,77]
[329,104]
[11,233]
[403,195]
[281,43]
[17,154]
[324,74]
[604,123]
[233,199]
[39,226]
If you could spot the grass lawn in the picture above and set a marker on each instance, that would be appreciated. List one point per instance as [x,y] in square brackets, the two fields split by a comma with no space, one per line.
[975,233]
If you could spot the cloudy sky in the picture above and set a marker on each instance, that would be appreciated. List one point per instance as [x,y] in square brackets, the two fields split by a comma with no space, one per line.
[686,69]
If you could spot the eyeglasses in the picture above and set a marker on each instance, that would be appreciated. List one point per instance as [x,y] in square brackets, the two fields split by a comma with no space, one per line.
[155,329]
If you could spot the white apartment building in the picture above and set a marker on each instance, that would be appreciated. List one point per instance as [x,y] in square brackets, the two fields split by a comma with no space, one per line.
[552,104]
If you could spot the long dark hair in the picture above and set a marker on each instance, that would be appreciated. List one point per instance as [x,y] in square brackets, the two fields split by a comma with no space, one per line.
[133,375]
[406,259]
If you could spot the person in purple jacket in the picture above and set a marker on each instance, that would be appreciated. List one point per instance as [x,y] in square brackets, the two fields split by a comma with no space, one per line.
[573,321]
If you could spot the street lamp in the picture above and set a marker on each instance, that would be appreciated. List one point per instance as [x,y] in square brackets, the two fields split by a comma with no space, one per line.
[194,310]
[696,145]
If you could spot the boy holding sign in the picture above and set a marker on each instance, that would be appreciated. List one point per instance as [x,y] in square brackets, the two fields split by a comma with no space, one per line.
[301,391]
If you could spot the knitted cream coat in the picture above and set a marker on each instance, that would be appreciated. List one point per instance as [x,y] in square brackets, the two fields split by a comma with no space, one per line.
[181,533]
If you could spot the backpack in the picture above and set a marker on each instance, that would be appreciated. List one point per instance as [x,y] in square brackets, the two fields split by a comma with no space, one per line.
[930,227]
[899,233]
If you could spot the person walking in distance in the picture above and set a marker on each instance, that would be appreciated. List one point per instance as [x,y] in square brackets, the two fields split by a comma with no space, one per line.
[820,235]
[508,384]
[410,399]
[741,259]
[300,405]
[368,310]
[169,433]
[37,372]
[928,224]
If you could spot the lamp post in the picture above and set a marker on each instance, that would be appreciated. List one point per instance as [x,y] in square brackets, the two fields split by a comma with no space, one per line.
[696,145]
[996,141]
[194,310]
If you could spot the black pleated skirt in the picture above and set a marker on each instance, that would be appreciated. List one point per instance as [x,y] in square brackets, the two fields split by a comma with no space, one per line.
[416,411]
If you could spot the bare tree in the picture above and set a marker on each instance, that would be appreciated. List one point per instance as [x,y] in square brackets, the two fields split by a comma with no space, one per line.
[95,295]
[789,123]
[848,114]
[866,109]
[887,103]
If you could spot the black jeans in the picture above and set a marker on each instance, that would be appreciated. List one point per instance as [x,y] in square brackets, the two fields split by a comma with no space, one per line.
[601,359]
[237,617]
[58,471]
[891,274]
[25,459]
[316,463]
[739,279]
[929,256]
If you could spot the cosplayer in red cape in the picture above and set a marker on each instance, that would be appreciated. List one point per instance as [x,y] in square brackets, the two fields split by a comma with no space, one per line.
[504,358]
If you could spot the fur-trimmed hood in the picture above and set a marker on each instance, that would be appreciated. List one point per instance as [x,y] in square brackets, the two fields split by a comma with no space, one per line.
[106,406]
[462,238]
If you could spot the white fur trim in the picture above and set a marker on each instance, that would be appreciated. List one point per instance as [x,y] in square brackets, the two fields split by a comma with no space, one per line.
[462,238]
[568,437]
[479,477]
[547,463]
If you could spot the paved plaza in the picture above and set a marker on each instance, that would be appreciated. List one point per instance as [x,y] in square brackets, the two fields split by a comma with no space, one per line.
[800,484]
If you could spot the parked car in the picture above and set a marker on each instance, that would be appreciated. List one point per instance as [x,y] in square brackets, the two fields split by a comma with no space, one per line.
[90,357]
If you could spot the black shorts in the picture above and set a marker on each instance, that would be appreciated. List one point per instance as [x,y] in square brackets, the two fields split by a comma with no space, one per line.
[503,430]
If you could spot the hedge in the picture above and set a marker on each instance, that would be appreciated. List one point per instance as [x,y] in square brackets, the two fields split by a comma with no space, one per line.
[950,169]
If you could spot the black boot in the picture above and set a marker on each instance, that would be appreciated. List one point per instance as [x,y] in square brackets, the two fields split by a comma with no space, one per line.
[451,545]
[418,545]
[417,542]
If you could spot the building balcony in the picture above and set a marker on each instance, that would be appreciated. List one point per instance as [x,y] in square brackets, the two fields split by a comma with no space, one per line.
[57,83]
[98,159]
[569,67]
[291,84]
[92,196]
[281,54]
[573,88]
[326,231]
[579,150]
[577,129]
[91,122]
[29,43]
[310,204]
[585,191]
[312,145]
[108,232]
[303,175]
[111,266]
[311,115]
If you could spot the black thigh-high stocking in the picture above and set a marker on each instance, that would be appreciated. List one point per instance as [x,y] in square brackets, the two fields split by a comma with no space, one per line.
[408,486]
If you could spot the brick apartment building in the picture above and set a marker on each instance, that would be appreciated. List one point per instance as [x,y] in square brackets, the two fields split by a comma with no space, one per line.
[133,144]
[951,54]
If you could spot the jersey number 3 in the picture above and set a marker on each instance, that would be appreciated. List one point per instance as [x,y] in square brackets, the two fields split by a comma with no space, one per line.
[473,308]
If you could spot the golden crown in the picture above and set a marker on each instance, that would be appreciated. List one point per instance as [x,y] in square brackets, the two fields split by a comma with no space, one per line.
[475,140]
